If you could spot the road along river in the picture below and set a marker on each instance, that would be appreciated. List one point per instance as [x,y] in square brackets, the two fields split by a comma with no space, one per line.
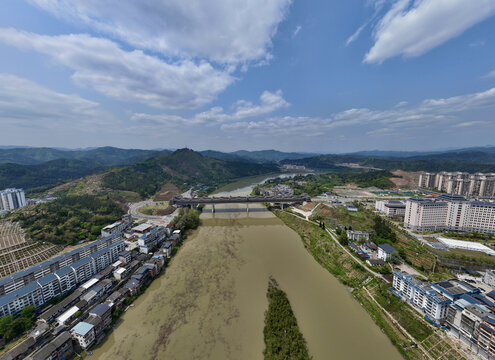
[210,302]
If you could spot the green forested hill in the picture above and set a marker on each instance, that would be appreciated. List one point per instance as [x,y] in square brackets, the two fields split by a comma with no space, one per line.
[50,173]
[182,166]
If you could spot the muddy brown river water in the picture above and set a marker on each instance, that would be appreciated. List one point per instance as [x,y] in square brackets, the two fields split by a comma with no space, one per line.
[210,302]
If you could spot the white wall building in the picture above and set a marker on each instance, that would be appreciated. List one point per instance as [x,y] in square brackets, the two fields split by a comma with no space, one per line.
[450,212]
[426,180]
[357,235]
[45,285]
[391,208]
[461,183]
[385,251]
[421,295]
[84,333]
[12,199]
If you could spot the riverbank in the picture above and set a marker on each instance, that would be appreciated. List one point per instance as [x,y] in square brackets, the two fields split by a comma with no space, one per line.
[405,328]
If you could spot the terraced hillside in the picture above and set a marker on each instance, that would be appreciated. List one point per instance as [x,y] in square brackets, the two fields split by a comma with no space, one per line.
[16,253]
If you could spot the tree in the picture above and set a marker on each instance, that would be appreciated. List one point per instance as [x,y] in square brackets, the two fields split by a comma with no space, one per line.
[343,239]
[5,324]
[395,258]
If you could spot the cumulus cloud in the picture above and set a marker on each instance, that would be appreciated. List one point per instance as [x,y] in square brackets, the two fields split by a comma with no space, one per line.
[126,75]
[413,27]
[224,31]
[269,102]
[428,113]
[25,103]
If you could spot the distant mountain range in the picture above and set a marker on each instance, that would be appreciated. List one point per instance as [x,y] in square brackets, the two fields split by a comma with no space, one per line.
[133,168]
[104,155]
[470,160]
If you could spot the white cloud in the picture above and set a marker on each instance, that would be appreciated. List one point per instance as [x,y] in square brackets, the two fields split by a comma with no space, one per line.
[269,102]
[491,74]
[413,27]
[428,114]
[478,43]
[127,75]
[469,124]
[224,31]
[356,34]
[296,31]
[26,104]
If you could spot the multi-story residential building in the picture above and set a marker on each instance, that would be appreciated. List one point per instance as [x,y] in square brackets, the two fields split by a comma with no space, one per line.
[152,239]
[481,217]
[421,295]
[391,208]
[486,339]
[473,185]
[40,289]
[19,279]
[426,180]
[84,333]
[385,252]
[57,349]
[357,235]
[104,312]
[450,212]
[12,199]
[425,215]
[117,227]
[14,302]
[454,290]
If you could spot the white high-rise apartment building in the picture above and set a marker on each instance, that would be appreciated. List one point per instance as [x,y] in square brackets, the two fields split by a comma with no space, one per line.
[427,180]
[473,185]
[12,199]
[450,212]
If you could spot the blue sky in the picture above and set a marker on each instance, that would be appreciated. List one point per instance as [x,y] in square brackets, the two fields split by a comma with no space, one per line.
[315,76]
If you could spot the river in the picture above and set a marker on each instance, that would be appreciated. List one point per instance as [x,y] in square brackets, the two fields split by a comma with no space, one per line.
[210,302]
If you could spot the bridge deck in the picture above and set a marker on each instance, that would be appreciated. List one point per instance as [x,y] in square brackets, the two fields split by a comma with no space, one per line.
[238,199]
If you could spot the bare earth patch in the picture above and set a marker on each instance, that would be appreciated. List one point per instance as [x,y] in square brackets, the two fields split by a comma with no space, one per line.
[405,179]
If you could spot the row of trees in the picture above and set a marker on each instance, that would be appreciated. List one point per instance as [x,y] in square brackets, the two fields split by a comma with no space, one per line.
[12,327]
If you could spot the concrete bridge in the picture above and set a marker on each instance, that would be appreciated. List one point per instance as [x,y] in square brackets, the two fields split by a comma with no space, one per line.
[239,200]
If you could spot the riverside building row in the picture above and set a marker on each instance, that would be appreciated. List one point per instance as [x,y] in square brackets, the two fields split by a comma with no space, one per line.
[40,283]
[80,321]
[468,313]
[478,185]
[11,199]
[449,212]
